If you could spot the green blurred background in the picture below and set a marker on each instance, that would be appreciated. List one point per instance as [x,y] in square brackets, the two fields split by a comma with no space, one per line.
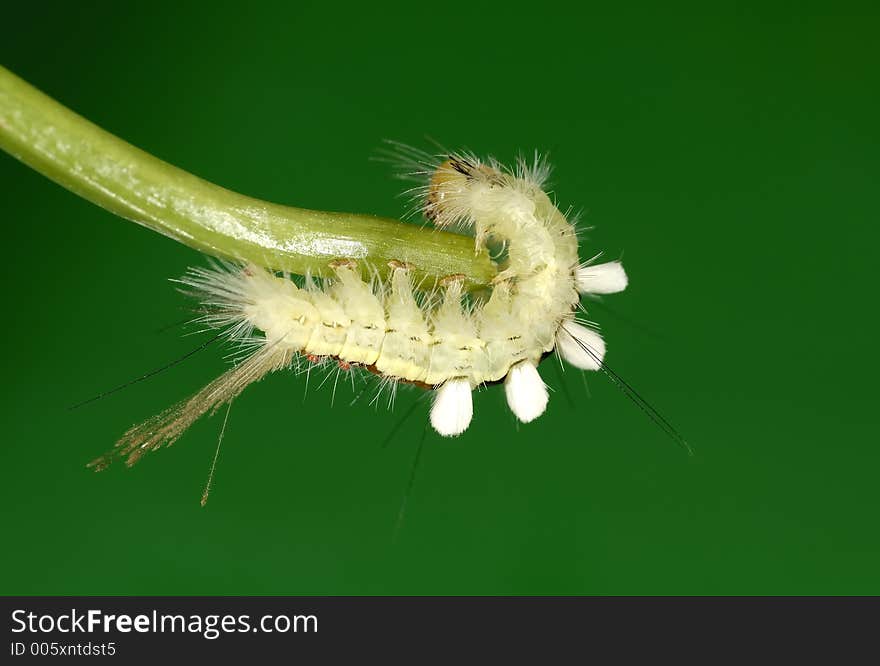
[730,153]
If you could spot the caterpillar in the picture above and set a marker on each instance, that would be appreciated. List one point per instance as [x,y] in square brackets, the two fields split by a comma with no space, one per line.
[436,337]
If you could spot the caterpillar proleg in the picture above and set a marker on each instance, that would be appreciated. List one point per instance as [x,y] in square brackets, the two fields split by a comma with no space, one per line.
[438,336]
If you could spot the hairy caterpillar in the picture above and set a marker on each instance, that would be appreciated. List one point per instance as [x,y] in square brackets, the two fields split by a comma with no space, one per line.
[434,336]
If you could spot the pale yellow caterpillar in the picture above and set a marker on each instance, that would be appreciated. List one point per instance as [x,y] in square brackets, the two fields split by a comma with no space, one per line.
[433,336]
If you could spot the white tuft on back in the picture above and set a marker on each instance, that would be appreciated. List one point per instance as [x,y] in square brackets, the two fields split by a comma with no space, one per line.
[526,392]
[608,278]
[453,408]
[583,347]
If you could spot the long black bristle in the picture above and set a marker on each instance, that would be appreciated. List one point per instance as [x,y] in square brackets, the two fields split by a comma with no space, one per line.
[633,395]
[151,373]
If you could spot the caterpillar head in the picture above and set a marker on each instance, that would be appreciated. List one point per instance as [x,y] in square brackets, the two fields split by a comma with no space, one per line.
[454,187]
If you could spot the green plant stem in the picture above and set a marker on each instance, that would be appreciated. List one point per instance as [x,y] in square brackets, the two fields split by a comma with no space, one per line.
[135,185]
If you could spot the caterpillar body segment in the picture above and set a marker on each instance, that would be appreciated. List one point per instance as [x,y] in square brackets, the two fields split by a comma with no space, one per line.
[437,338]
